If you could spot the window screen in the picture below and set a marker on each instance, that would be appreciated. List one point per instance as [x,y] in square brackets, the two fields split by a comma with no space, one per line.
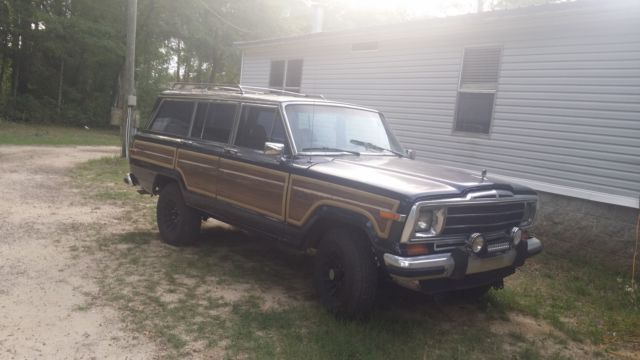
[174,117]
[276,76]
[219,122]
[474,112]
[477,91]
[294,73]
[480,68]
[259,125]
[286,75]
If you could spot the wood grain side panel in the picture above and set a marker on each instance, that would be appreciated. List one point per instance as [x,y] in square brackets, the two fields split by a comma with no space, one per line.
[308,194]
[253,187]
[162,155]
[199,171]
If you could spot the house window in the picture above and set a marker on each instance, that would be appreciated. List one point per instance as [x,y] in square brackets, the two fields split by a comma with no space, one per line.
[477,90]
[286,75]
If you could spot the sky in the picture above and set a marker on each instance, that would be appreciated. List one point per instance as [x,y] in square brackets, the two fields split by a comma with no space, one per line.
[417,8]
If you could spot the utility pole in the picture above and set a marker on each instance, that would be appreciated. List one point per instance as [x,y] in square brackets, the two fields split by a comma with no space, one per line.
[129,77]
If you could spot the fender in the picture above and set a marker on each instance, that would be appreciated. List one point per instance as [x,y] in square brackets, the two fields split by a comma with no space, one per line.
[164,175]
[327,215]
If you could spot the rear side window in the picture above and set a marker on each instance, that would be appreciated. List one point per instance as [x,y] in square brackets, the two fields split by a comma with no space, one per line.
[174,117]
[219,122]
[259,125]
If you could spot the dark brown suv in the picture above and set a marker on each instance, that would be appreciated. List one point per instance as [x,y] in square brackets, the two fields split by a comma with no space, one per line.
[331,179]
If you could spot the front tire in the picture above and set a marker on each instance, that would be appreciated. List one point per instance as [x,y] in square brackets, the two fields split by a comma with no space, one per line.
[178,223]
[469,295]
[345,273]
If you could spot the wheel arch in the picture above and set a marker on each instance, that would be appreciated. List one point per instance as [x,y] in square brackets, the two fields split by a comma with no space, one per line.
[162,179]
[327,217]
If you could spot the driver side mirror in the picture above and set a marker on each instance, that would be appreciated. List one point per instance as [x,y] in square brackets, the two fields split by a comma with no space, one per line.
[273,148]
[411,154]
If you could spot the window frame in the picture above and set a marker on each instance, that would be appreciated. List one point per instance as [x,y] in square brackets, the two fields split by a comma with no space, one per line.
[460,89]
[284,86]
[294,147]
[154,117]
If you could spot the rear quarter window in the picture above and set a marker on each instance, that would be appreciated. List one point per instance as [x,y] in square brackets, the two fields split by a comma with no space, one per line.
[173,117]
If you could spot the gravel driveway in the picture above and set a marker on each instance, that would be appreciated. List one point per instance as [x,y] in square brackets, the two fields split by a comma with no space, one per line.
[43,286]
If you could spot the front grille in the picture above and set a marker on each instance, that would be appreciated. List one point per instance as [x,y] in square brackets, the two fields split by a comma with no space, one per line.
[497,241]
[482,218]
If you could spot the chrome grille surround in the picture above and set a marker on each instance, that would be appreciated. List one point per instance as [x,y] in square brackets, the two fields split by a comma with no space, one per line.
[500,202]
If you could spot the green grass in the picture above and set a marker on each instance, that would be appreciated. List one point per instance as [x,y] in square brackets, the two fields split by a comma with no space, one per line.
[34,134]
[583,299]
[236,296]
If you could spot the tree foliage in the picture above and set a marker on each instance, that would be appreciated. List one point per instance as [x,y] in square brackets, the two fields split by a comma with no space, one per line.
[61,60]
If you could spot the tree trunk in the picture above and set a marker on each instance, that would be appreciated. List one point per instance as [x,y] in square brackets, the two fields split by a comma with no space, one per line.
[178,62]
[60,82]
[186,75]
[16,76]
[3,66]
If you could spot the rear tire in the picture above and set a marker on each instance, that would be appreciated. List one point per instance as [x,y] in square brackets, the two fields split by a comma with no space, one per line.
[178,223]
[345,273]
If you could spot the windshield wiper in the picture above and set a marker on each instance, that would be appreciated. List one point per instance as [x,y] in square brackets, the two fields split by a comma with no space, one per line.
[330,149]
[368,145]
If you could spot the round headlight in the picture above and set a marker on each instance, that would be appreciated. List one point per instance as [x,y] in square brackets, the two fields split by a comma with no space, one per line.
[476,241]
[516,235]
[425,220]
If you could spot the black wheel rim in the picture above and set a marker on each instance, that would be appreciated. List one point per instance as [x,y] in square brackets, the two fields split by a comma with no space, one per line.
[333,275]
[171,216]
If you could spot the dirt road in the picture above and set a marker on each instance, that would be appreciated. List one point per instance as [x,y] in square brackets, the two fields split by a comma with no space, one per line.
[42,285]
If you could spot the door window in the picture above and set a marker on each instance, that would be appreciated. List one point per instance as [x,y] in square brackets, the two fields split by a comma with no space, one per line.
[259,125]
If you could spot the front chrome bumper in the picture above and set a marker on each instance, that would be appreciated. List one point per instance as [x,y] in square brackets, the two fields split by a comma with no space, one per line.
[456,264]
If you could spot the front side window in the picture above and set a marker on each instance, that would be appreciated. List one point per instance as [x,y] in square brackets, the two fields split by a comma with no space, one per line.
[173,117]
[286,75]
[326,128]
[478,86]
[259,125]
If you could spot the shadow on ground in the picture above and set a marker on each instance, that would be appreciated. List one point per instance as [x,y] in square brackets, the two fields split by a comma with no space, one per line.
[237,294]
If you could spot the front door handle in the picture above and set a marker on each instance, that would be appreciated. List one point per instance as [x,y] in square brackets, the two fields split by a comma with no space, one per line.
[231,151]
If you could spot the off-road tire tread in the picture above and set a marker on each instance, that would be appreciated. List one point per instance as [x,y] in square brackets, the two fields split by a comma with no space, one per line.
[359,260]
[189,227]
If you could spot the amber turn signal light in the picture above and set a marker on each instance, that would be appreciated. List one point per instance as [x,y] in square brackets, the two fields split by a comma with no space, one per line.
[417,249]
[389,215]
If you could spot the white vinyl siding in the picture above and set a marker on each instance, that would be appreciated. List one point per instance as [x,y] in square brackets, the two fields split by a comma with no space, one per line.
[567,109]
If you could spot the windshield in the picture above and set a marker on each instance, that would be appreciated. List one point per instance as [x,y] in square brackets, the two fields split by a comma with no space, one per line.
[327,128]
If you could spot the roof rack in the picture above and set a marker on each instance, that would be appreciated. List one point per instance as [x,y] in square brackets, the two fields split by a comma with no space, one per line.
[237,88]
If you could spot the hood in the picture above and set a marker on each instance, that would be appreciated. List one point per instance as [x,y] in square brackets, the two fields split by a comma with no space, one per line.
[410,178]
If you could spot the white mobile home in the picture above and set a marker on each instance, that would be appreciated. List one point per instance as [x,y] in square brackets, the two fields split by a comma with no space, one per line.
[548,96]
